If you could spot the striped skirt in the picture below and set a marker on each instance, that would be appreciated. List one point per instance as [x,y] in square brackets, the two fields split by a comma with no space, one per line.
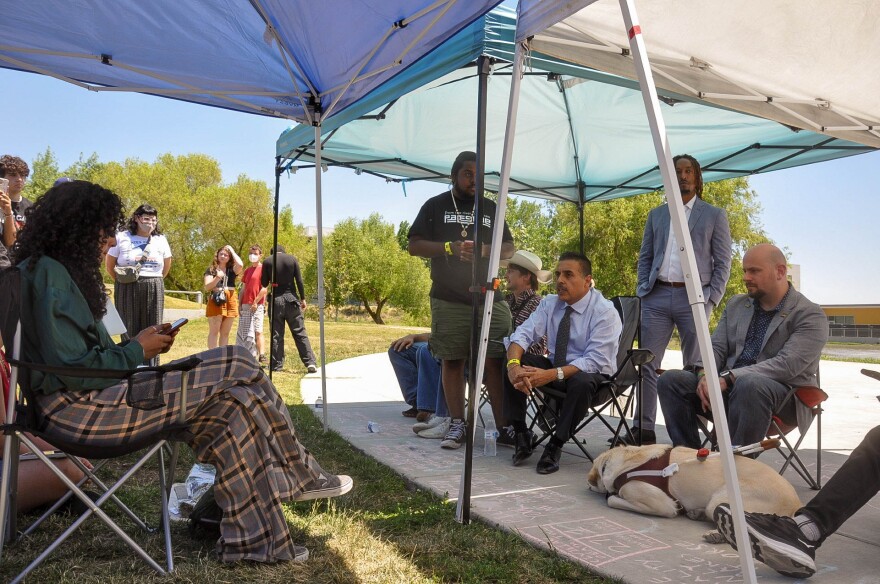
[140,304]
[237,422]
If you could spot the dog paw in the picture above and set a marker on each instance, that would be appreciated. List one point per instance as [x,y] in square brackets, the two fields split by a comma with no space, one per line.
[714,536]
[697,514]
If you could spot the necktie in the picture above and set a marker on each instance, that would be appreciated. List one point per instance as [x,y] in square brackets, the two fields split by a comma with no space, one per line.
[562,336]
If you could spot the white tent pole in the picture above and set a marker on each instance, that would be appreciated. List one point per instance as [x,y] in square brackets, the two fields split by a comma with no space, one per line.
[319,220]
[691,277]
[462,510]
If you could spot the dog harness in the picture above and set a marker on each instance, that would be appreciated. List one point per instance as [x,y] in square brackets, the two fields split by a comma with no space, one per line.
[655,472]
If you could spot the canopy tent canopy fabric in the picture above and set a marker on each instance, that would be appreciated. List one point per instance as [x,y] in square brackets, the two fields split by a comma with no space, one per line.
[809,64]
[582,135]
[294,60]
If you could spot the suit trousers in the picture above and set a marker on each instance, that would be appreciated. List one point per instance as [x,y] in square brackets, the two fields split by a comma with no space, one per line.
[580,393]
[663,309]
[285,310]
[750,406]
[851,487]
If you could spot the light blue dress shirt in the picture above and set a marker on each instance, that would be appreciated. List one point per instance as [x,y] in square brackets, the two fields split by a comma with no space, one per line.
[594,335]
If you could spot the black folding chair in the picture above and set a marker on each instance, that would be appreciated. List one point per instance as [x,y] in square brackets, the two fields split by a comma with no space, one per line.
[615,395]
[23,418]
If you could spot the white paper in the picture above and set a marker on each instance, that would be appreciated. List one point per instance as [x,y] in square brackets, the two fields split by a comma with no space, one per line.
[112,321]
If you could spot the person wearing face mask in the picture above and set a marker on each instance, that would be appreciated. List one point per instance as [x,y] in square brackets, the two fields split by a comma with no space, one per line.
[140,303]
[252,308]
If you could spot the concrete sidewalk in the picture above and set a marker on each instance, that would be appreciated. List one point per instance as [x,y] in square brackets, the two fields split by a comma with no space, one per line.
[558,512]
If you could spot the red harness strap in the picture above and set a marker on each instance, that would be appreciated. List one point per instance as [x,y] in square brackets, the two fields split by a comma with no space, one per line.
[655,471]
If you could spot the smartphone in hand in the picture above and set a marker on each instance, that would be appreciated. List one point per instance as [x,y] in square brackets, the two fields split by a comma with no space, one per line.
[174,326]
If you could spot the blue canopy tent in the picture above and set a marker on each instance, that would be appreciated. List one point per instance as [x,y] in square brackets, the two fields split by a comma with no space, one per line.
[291,60]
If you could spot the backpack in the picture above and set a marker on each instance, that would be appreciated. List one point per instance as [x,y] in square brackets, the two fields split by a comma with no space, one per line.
[206,515]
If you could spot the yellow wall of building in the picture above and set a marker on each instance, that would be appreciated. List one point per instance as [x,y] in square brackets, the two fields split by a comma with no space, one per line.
[862,314]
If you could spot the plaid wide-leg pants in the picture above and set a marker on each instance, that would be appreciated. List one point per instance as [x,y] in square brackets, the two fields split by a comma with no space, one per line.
[237,422]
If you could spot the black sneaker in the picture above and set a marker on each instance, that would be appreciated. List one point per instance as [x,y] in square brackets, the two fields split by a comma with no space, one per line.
[777,541]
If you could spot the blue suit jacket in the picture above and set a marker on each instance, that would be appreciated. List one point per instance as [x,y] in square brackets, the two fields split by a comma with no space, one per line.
[710,233]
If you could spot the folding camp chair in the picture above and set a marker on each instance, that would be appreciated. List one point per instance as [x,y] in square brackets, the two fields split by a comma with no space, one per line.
[616,394]
[812,397]
[24,418]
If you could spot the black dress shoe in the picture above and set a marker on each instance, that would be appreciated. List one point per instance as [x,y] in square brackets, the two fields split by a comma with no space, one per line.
[523,446]
[549,462]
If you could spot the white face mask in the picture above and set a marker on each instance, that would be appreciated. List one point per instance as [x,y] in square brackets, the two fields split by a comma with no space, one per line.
[253,258]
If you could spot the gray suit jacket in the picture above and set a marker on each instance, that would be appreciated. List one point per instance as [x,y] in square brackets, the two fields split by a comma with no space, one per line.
[710,233]
[792,344]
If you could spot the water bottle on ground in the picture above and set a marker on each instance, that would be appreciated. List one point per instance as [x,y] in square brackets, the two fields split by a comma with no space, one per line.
[319,403]
[490,444]
[373,427]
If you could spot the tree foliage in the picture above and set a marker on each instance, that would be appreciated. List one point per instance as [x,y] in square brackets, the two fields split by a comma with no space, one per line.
[369,266]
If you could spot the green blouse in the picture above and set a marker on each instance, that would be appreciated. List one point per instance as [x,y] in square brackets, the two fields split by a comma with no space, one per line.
[59,329]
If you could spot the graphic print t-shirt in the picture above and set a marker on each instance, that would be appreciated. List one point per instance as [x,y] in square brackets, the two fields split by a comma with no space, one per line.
[130,248]
[438,220]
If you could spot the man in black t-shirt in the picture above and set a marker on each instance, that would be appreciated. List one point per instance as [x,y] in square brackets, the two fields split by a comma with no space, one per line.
[443,231]
[12,204]
[286,306]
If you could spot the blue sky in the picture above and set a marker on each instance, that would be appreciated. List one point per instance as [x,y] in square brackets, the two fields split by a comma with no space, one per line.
[827,215]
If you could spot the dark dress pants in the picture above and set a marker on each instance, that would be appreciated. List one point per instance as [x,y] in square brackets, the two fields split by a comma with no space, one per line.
[286,310]
[580,391]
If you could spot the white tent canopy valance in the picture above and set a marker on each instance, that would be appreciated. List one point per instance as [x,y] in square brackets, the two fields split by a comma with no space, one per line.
[809,64]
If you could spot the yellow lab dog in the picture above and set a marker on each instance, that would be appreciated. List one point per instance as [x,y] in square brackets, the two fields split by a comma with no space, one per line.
[664,481]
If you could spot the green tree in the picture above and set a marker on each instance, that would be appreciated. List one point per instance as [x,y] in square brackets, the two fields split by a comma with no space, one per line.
[403,235]
[85,168]
[369,266]
[197,212]
[44,172]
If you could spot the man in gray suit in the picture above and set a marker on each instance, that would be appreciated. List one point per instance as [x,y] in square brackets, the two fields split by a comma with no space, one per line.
[661,281]
[767,342]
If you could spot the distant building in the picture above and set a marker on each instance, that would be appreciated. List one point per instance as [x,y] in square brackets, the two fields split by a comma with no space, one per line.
[794,276]
[853,323]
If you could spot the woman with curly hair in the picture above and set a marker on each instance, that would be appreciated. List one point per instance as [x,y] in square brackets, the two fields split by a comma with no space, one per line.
[141,303]
[233,412]
[221,275]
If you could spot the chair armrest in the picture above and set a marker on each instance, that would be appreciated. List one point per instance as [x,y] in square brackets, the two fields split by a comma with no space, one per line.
[185,365]
[640,356]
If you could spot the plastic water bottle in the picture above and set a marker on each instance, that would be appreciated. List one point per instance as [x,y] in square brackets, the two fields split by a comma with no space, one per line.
[319,403]
[373,427]
[490,445]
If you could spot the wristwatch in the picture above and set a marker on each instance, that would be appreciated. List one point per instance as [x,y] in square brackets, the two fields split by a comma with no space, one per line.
[727,376]
[559,374]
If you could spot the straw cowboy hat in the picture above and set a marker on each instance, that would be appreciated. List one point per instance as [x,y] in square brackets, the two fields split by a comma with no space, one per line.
[531,262]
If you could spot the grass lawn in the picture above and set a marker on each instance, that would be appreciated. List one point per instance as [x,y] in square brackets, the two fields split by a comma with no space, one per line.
[385,530]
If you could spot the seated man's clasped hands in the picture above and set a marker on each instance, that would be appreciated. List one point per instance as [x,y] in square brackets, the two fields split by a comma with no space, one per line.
[767,342]
[583,331]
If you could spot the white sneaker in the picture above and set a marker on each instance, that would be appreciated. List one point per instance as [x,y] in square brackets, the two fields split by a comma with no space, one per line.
[455,437]
[438,431]
[431,422]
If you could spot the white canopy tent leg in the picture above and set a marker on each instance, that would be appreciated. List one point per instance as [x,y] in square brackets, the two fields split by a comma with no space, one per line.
[462,510]
[691,277]
[319,218]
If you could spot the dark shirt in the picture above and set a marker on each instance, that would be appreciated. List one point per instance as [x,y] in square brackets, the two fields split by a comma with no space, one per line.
[757,329]
[230,276]
[288,278]
[438,221]
[18,210]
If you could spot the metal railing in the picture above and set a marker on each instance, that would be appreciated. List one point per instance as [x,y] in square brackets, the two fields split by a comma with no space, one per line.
[854,331]
[198,295]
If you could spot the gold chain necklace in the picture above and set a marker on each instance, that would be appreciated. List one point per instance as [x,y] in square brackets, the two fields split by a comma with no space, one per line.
[463,226]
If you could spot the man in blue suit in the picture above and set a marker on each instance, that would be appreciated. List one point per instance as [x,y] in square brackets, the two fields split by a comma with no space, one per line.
[661,281]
